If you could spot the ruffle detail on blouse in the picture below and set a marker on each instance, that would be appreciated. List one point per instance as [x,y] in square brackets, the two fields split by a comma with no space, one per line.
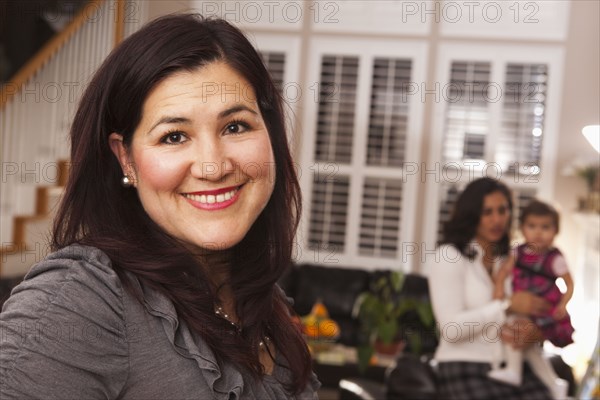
[224,380]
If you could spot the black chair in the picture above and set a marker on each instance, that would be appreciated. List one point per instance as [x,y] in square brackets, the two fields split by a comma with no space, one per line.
[6,286]
[414,378]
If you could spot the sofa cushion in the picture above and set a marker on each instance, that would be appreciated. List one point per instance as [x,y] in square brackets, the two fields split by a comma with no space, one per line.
[337,288]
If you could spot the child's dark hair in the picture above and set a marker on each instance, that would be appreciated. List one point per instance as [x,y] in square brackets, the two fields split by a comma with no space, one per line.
[539,208]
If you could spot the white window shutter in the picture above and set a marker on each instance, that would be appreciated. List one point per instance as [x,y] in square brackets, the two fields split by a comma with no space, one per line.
[275,63]
[388,121]
[520,143]
[467,113]
[337,100]
[449,195]
[380,217]
[328,213]
[361,128]
[281,56]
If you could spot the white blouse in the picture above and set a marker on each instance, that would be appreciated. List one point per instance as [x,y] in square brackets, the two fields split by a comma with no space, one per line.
[469,318]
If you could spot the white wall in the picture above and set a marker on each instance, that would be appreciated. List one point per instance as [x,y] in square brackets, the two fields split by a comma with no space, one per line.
[580,107]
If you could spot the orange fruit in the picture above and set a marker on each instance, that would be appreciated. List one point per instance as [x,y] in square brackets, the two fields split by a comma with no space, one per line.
[319,310]
[328,328]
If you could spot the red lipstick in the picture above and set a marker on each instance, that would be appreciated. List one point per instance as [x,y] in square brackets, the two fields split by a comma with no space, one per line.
[202,201]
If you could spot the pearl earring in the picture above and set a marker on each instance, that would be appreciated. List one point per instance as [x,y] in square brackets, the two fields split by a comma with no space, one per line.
[126,181]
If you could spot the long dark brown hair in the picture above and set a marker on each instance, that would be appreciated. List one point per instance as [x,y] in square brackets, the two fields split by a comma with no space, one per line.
[96,210]
[462,226]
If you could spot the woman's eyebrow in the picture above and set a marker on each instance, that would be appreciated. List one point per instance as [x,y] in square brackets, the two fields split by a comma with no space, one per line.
[235,109]
[171,120]
[183,120]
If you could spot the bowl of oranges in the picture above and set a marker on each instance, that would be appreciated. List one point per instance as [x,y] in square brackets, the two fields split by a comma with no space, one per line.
[320,330]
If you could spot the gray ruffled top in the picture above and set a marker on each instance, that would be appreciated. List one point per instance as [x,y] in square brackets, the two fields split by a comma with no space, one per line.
[70,331]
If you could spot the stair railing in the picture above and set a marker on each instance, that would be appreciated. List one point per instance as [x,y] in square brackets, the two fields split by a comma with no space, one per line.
[37,105]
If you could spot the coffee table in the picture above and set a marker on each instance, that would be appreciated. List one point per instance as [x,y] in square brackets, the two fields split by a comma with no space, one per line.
[340,362]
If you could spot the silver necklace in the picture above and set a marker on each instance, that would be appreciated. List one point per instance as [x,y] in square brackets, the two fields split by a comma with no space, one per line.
[221,313]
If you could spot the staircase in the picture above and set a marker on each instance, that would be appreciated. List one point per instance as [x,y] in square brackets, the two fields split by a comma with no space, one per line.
[36,108]
[30,235]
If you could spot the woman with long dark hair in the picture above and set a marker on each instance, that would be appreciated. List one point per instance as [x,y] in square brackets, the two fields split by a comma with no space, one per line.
[472,324]
[177,221]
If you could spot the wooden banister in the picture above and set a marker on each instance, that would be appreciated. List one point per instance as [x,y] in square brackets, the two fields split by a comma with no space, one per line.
[27,71]
[120,22]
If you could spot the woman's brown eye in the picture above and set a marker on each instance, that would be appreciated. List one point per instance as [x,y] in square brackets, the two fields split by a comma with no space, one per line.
[234,128]
[173,138]
[237,127]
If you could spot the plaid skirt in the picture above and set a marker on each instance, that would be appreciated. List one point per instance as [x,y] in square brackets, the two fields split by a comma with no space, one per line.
[469,381]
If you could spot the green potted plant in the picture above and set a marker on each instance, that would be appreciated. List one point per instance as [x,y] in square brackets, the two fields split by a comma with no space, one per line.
[591,175]
[380,312]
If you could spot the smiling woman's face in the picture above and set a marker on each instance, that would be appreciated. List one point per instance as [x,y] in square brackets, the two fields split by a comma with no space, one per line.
[201,158]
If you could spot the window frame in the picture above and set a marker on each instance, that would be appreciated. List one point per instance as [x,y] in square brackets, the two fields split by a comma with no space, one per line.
[367,50]
[499,55]
[290,45]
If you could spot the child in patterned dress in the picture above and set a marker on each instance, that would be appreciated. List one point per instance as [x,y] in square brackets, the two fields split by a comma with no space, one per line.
[534,266]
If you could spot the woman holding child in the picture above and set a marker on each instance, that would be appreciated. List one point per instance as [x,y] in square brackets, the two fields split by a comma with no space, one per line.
[473,323]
